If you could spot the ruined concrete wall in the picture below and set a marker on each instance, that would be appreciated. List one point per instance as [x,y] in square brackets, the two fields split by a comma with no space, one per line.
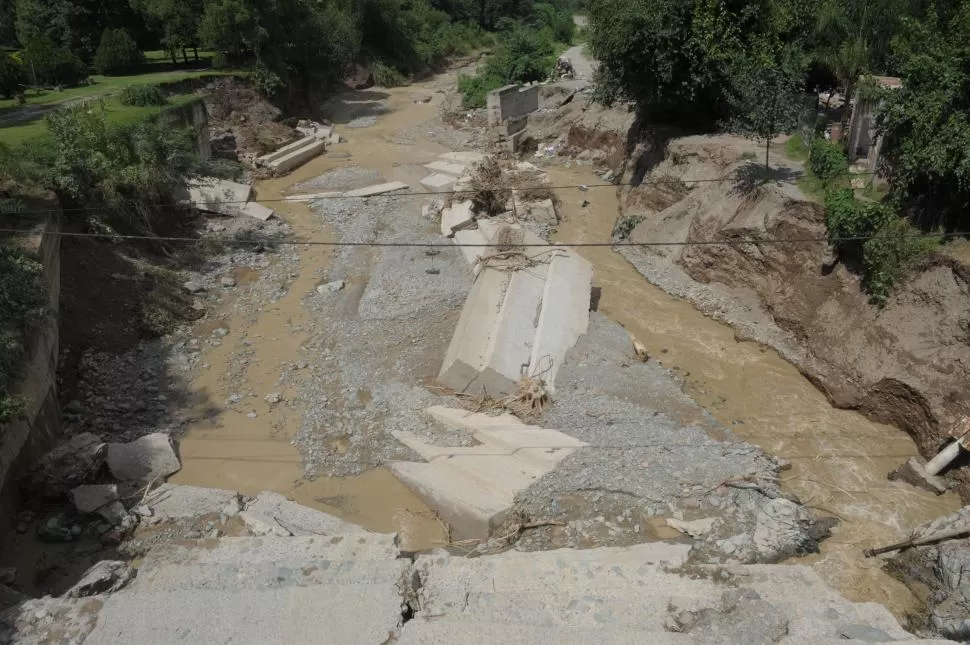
[509,102]
[23,441]
[191,115]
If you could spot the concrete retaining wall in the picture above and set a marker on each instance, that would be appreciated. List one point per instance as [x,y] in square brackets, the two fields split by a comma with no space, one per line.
[191,115]
[25,440]
[510,102]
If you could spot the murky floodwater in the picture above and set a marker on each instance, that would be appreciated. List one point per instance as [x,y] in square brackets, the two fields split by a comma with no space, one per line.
[226,449]
[839,458]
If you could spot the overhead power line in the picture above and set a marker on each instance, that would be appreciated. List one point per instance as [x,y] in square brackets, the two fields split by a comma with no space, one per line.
[427,193]
[271,241]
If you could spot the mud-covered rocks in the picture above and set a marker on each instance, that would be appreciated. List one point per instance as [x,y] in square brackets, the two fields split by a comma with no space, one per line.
[75,462]
[943,568]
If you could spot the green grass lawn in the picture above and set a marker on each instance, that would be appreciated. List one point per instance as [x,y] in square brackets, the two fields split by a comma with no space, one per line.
[101,85]
[116,114]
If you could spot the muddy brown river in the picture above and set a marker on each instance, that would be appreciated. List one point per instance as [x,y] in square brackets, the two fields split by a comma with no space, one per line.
[839,458]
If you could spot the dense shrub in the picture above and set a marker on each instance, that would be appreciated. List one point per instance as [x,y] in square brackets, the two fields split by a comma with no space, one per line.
[142,95]
[387,76]
[524,56]
[21,303]
[49,64]
[890,245]
[13,76]
[117,54]
[827,160]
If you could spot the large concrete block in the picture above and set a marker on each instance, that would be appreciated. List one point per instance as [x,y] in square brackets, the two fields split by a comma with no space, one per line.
[378,189]
[439,183]
[257,211]
[448,168]
[472,243]
[564,316]
[509,102]
[456,217]
[492,345]
[148,459]
[279,153]
[298,157]
[212,195]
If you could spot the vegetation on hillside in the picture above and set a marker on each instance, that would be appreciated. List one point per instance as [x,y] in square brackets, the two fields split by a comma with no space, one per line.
[747,64]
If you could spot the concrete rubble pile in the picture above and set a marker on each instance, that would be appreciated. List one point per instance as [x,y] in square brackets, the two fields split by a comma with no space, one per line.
[355,587]
[316,137]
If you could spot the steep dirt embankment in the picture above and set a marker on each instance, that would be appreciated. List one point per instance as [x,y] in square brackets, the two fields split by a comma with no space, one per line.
[906,364]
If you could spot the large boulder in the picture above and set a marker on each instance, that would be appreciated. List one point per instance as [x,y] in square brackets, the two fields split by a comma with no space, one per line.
[150,458]
[73,463]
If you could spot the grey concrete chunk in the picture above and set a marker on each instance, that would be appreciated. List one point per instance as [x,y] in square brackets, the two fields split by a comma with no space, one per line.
[172,501]
[89,498]
[296,518]
[260,524]
[149,458]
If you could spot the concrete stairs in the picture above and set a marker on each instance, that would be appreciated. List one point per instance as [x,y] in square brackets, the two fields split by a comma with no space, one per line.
[472,487]
[446,172]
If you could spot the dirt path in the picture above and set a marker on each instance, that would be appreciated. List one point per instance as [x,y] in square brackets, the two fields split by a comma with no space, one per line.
[229,449]
[839,458]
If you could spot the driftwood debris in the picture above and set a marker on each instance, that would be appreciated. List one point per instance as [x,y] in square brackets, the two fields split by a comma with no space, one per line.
[939,537]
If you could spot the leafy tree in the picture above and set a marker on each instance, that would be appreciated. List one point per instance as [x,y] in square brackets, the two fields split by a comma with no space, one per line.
[13,76]
[48,20]
[674,58]
[117,54]
[764,94]
[176,20]
[852,37]
[48,63]
[926,123]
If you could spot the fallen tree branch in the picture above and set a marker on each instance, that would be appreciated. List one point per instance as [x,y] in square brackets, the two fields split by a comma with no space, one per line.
[939,537]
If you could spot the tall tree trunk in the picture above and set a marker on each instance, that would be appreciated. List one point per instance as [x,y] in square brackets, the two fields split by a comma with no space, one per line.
[185,56]
[171,52]
[195,52]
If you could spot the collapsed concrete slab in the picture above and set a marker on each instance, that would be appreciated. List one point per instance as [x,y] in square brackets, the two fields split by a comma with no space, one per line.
[456,217]
[463,157]
[309,197]
[257,211]
[377,189]
[524,311]
[564,316]
[472,243]
[446,167]
[295,518]
[439,182]
[279,153]
[220,196]
[172,501]
[298,156]
[472,487]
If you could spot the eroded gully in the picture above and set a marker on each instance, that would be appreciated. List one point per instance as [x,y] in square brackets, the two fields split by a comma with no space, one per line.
[839,458]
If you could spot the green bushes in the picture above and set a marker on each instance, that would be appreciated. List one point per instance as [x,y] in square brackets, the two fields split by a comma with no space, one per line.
[49,64]
[13,76]
[142,95]
[889,245]
[524,56]
[387,76]
[117,54]
[625,225]
[21,303]
[827,160]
